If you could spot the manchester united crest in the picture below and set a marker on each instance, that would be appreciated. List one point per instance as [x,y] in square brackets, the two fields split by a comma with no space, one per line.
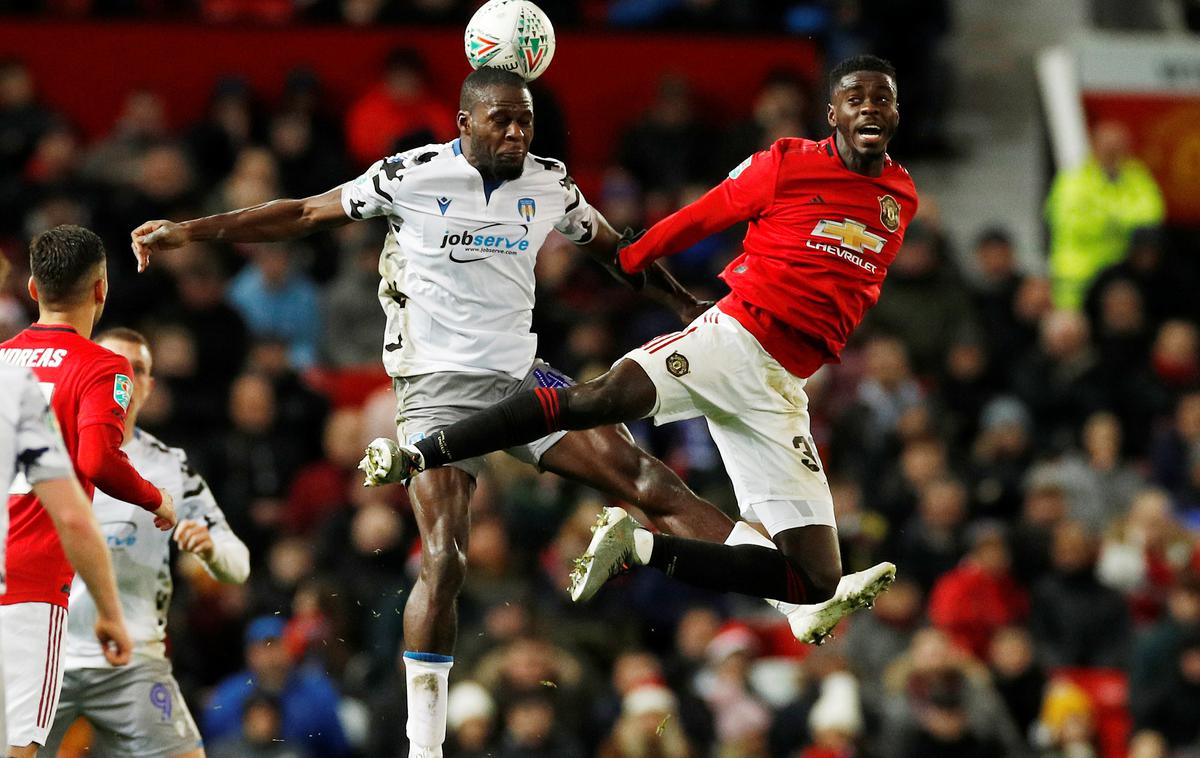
[889,213]
[677,364]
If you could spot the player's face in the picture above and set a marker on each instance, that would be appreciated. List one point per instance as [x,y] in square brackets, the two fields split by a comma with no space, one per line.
[499,128]
[864,112]
[139,358]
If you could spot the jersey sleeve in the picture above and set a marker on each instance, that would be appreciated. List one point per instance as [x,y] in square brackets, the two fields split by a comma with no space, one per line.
[374,193]
[578,222]
[39,448]
[106,392]
[231,558]
[748,192]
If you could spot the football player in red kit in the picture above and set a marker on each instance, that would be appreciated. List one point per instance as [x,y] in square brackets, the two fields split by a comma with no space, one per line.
[825,221]
[89,389]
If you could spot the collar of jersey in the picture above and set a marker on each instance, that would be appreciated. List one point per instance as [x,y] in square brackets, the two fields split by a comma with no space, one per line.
[53,328]
[488,187]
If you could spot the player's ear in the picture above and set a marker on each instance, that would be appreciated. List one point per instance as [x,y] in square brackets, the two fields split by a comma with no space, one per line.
[831,116]
[32,287]
[463,119]
[100,290]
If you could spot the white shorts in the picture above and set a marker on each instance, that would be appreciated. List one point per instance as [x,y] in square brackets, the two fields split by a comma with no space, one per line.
[756,410]
[32,637]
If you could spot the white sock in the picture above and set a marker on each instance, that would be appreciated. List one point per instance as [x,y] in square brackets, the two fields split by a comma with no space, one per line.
[744,534]
[643,545]
[428,676]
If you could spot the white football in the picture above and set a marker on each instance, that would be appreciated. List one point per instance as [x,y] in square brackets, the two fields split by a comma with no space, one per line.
[513,35]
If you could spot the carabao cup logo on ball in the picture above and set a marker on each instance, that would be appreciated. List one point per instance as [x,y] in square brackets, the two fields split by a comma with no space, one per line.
[512,35]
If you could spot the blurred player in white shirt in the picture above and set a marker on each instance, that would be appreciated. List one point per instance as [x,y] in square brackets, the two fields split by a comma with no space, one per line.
[31,451]
[138,710]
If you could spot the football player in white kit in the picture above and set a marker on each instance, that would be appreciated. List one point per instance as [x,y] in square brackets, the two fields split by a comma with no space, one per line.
[137,711]
[467,219]
[32,454]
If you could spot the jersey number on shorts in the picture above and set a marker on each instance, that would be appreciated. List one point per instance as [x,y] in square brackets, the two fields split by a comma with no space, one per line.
[808,457]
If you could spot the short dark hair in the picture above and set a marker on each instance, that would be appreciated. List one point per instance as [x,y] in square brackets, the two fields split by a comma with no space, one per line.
[61,259]
[123,334]
[859,63]
[482,79]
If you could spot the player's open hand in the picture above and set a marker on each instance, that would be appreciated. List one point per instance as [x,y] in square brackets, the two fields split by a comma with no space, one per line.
[154,237]
[194,537]
[164,515]
[114,640]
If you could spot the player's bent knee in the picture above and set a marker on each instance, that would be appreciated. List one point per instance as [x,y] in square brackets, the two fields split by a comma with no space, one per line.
[823,583]
[444,569]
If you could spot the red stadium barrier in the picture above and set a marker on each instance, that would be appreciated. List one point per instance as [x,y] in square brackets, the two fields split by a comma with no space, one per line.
[603,81]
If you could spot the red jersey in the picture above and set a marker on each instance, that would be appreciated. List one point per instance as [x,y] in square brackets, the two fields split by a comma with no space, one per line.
[820,241]
[87,385]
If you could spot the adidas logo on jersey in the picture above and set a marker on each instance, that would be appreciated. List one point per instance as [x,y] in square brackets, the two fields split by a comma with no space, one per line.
[816,200]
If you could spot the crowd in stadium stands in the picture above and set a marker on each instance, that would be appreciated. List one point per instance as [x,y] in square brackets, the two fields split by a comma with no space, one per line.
[1033,471]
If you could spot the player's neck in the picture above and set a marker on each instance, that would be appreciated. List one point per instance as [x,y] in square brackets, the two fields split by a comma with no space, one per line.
[857,162]
[82,320]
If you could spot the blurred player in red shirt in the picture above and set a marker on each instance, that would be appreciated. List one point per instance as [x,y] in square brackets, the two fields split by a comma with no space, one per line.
[89,389]
[826,219]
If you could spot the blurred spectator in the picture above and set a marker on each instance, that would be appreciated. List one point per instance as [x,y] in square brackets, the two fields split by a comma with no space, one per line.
[1061,381]
[1001,456]
[231,123]
[1145,552]
[877,638]
[941,702]
[398,113]
[279,301]
[977,599]
[261,736]
[352,321]
[781,109]
[141,123]
[927,306]
[1067,726]
[254,180]
[1078,621]
[741,717]
[1175,356]
[932,543]
[669,147]
[1018,676]
[531,729]
[836,720]
[308,700]
[22,119]
[1156,650]
[322,487]
[885,395]
[470,720]
[648,727]
[1173,704]
[1171,452]
[1154,273]
[1093,210]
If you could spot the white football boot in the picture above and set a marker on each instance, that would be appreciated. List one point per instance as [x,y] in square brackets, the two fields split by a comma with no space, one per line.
[386,462]
[814,623]
[610,550]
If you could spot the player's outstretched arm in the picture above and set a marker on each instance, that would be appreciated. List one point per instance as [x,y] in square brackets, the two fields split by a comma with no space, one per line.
[656,282]
[268,222]
[71,512]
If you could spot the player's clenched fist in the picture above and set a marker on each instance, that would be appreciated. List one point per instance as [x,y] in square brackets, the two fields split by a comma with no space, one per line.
[193,537]
[114,640]
[164,515]
[156,236]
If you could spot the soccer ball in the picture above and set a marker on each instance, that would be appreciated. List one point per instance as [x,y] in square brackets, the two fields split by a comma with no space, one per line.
[513,35]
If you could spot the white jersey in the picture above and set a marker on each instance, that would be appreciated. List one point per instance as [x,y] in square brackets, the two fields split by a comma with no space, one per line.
[141,554]
[457,267]
[31,448]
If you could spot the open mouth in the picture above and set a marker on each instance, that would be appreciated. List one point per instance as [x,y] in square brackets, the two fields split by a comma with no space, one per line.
[870,133]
